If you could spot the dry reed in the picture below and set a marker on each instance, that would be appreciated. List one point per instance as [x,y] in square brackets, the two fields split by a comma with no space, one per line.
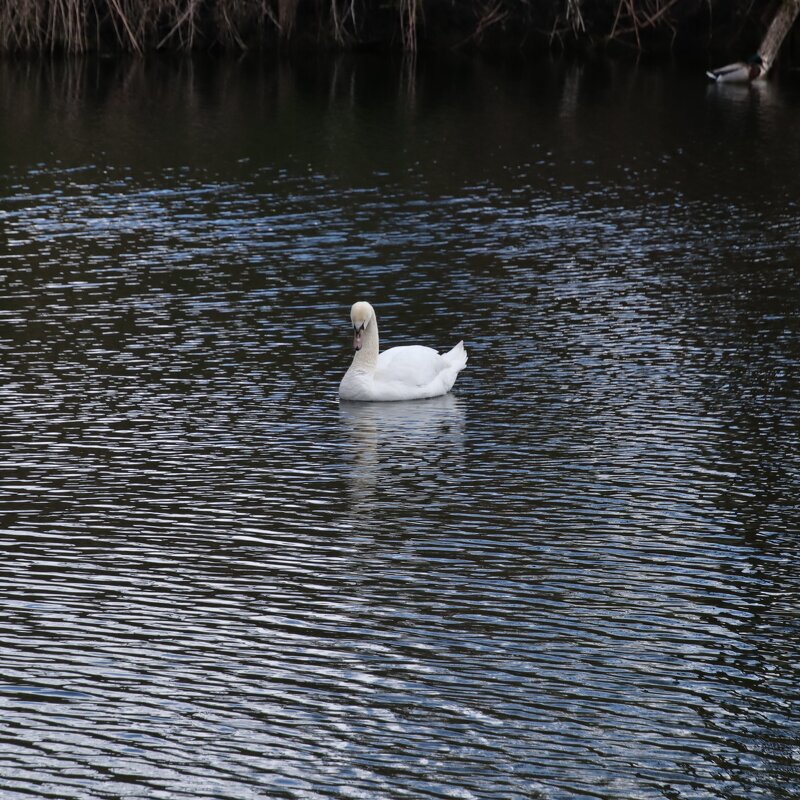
[75,26]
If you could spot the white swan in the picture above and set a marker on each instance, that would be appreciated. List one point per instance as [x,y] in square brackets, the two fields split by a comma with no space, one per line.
[400,373]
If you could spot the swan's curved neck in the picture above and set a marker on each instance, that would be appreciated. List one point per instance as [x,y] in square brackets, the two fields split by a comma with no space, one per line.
[367,357]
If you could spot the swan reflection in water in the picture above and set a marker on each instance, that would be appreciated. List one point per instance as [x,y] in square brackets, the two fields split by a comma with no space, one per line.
[403,453]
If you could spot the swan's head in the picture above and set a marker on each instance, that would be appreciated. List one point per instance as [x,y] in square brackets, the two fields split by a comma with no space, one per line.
[361,315]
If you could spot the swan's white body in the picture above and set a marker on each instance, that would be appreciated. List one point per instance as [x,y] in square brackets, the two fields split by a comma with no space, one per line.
[400,373]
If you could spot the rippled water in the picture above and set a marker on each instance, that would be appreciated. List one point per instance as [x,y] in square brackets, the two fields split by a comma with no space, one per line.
[576,576]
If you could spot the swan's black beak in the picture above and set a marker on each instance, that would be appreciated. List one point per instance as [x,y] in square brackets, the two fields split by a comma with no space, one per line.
[358,335]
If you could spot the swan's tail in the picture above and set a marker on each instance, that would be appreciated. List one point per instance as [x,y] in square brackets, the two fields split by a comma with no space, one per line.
[457,357]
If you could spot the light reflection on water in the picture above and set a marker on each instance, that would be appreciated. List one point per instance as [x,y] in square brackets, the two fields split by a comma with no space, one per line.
[575,576]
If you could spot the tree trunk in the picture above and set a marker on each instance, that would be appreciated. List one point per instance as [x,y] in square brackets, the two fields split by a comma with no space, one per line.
[782,22]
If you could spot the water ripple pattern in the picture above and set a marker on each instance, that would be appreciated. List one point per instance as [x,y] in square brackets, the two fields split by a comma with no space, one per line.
[576,576]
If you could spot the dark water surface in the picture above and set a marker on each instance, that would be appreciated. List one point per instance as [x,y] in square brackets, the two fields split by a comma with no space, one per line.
[576,577]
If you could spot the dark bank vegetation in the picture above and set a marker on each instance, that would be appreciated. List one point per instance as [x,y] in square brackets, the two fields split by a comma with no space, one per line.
[78,26]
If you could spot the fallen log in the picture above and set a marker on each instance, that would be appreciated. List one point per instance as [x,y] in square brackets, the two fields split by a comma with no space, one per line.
[758,65]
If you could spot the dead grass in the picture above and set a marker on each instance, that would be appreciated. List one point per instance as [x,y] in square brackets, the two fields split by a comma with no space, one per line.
[77,26]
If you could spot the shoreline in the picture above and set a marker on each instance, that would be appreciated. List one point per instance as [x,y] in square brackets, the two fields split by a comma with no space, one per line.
[105,28]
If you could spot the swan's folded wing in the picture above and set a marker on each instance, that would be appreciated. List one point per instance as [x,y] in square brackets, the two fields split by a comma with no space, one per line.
[413,365]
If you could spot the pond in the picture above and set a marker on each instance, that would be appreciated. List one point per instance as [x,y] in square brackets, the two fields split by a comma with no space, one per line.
[575,576]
